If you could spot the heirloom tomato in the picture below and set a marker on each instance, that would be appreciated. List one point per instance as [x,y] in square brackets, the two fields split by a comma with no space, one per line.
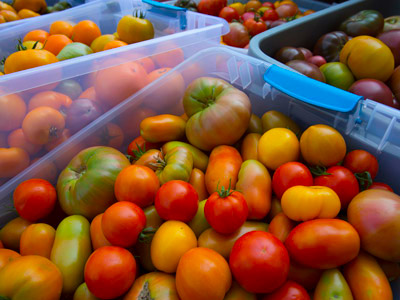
[366,279]
[303,203]
[223,243]
[323,243]
[82,112]
[254,182]
[332,285]
[368,57]
[255,25]
[133,29]
[322,145]
[96,233]
[329,45]
[366,22]
[170,242]
[338,75]
[391,23]
[86,185]
[148,159]
[239,7]
[288,291]
[280,226]
[122,223]
[308,69]
[37,239]
[7,256]
[197,180]
[83,293]
[34,199]
[199,222]
[17,139]
[136,184]
[27,59]
[10,234]
[157,285]
[70,251]
[214,106]
[229,14]
[255,125]
[375,214]
[211,7]
[278,146]
[286,54]
[342,181]
[288,175]
[200,159]
[259,262]
[176,200]
[202,274]
[30,277]
[252,5]
[12,112]
[110,272]
[162,128]
[249,146]
[360,161]
[236,292]
[12,161]
[238,35]
[139,145]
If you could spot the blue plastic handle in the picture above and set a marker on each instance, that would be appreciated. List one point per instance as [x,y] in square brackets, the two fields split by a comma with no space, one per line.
[169,10]
[163,5]
[309,90]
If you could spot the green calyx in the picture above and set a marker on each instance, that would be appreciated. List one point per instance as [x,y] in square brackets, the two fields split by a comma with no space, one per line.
[223,192]
[139,14]
[364,179]
[319,171]
[146,235]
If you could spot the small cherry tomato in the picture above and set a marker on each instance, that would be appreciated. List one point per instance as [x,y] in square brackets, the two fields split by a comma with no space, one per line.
[380,186]
[34,199]
[177,200]
[229,14]
[255,26]
[270,15]
[361,161]
[289,291]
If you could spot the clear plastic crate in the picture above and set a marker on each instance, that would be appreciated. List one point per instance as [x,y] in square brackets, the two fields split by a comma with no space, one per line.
[178,35]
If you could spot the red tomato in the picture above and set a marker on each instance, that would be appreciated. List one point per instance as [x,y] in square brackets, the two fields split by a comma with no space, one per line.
[280,226]
[286,10]
[269,4]
[122,223]
[259,262]
[360,161]
[177,200]
[34,199]
[110,272]
[139,145]
[342,181]
[238,35]
[226,211]
[211,7]
[229,14]
[380,186]
[289,291]
[255,26]
[270,15]
[290,174]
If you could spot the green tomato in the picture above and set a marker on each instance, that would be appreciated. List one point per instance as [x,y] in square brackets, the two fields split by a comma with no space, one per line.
[332,285]
[74,50]
[199,222]
[366,22]
[71,249]
[83,293]
[200,160]
[69,87]
[338,75]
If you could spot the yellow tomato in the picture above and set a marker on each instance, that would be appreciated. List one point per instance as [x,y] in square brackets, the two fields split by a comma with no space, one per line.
[30,44]
[170,242]
[303,203]
[5,6]
[322,145]
[278,146]
[368,57]
[239,7]
[27,13]
[98,44]
[281,2]
[134,29]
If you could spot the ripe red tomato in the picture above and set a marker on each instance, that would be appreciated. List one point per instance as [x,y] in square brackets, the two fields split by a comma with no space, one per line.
[226,211]
[380,186]
[34,199]
[238,35]
[255,26]
[259,262]
[139,145]
[360,161]
[290,174]
[177,200]
[289,291]
[269,4]
[211,7]
[342,181]
[122,223]
[229,14]
[270,15]
[110,272]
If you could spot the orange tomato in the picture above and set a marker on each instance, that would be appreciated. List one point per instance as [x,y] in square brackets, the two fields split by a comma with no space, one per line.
[65,135]
[17,139]
[61,27]
[9,15]
[11,233]
[223,168]
[109,135]
[7,256]
[249,146]
[27,13]
[169,55]
[115,84]
[37,239]
[202,274]
[12,161]
[308,12]
[5,6]
[147,63]
[96,233]
[149,159]
[114,44]
[253,5]
[52,99]
[34,5]
[36,35]
[56,42]
[162,128]
[12,112]
[197,180]
[89,93]
[85,32]
[281,226]
[2,20]
[42,125]
[27,59]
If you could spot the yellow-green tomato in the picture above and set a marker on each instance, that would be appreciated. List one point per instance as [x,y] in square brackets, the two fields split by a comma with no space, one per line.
[278,146]
[133,29]
[199,223]
[170,242]
[275,119]
[332,285]
[303,203]
[71,249]
[255,125]
[83,293]
[162,128]
[200,160]
[177,165]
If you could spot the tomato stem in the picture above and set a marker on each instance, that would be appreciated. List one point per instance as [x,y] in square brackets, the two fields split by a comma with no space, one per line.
[147,235]
[319,171]
[364,179]
[223,193]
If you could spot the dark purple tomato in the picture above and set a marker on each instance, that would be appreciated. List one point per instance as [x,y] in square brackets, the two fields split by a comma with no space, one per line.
[373,89]
[317,60]
[307,53]
[392,40]
[329,45]
[307,68]
[81,113]
[286,54]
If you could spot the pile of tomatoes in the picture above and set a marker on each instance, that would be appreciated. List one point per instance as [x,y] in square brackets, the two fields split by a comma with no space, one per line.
[362,57]
[216,204]
[66,40]
[247,20]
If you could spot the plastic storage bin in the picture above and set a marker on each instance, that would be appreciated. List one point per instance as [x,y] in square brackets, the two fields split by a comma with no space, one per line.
[178,35]
[365,124]
[305,32]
